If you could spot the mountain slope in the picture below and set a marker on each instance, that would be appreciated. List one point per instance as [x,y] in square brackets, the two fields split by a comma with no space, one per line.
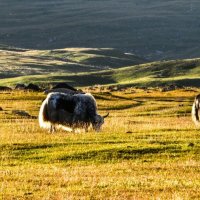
[19,62]
[160,29]
[180,72]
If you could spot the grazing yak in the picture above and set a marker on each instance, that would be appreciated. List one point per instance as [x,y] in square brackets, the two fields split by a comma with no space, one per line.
[70,112]
[195,110]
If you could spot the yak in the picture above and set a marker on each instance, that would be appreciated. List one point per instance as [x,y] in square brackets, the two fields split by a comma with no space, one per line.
[70,112]
[196,109]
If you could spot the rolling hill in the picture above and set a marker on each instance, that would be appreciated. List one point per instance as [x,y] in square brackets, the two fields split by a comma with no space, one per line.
[84,67]
[16,62]
[161,29]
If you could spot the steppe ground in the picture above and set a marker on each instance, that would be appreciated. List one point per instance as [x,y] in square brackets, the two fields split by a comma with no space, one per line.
[149,149]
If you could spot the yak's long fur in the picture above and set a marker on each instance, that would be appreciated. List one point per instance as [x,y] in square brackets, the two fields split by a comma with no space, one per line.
[67,110]
[43,115]
[195,110]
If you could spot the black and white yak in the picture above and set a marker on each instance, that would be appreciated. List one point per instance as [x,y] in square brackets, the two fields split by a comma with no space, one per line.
[196,110]
[70,112]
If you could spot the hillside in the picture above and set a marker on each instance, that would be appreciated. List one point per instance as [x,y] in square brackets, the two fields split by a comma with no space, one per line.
[78,68]
[161,29]
[17,62]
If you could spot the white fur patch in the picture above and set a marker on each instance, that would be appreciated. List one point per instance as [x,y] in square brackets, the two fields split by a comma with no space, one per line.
[65,128]
[194,118]
[42,122]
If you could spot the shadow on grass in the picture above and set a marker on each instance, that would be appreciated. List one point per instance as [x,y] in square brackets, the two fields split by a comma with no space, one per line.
[25,148]
[166,99]
[116,154]
[45,153]
[120,107]
[123,107]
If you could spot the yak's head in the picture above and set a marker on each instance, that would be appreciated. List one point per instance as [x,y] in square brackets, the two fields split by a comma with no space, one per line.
[98,122]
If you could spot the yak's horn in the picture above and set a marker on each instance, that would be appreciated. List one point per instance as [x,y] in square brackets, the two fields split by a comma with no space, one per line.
[106,115]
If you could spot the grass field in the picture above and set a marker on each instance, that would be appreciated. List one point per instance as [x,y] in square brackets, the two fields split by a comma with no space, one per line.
[148,149]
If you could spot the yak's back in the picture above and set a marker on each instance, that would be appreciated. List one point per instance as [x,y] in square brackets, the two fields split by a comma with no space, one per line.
[85,105]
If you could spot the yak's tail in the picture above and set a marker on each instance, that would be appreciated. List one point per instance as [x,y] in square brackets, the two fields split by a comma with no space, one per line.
[43,115]
[195,110]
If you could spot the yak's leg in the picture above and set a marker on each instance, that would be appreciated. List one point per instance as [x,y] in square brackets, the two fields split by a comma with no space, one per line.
[54,118]
[73,129]
[76,127]
[75,123]
[86,127]
[52,128]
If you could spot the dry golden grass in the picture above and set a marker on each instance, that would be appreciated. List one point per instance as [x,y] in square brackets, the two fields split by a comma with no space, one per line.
[147,150]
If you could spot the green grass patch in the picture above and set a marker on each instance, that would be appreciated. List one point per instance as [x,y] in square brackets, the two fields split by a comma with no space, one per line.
[151,148]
